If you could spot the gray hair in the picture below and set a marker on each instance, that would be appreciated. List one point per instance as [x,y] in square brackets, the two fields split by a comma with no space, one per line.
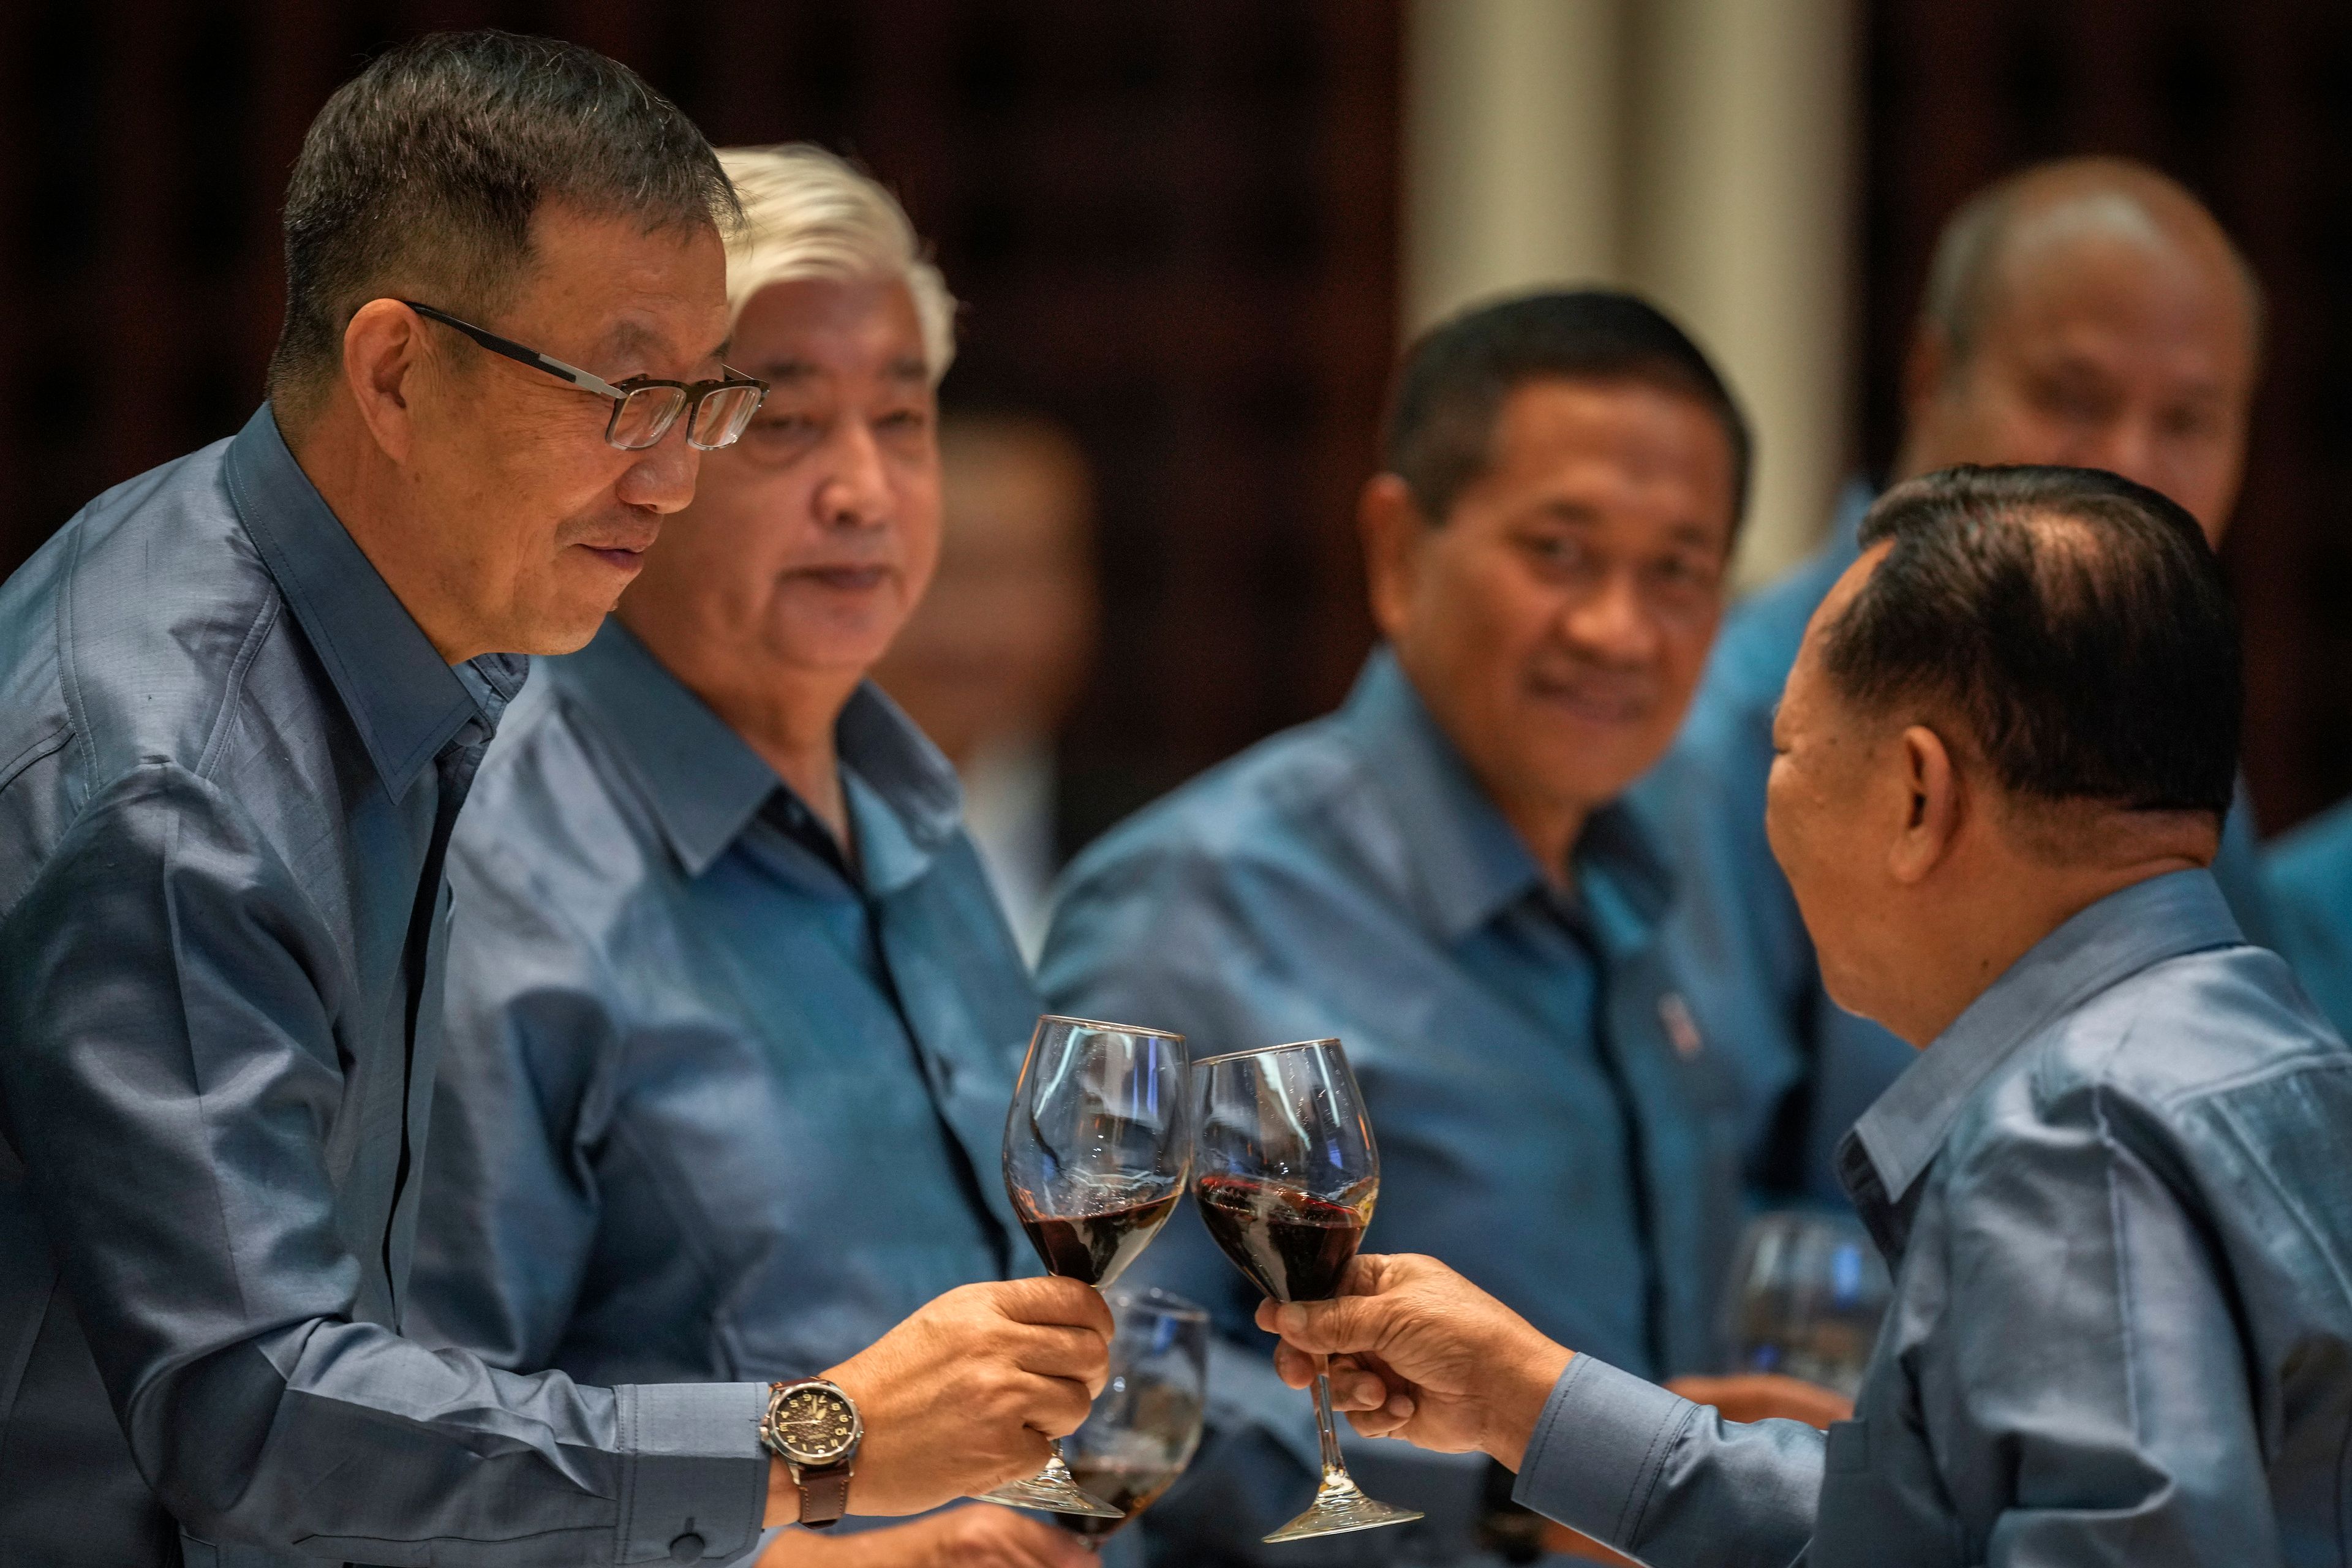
[807,213]
[2116,194]
[422,173]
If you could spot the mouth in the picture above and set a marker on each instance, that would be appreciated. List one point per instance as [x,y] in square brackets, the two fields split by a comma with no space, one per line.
[845,579]
[1598,701]
[617,557]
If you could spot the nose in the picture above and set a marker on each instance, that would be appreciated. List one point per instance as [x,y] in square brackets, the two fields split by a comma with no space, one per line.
[856,490]
[1611,624]
[2129,447]
[662,478]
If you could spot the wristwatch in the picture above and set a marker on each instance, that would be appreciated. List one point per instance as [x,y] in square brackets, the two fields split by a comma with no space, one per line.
[815,1428]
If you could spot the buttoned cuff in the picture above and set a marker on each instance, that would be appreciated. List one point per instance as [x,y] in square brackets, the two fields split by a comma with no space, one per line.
[1598,1449]
[694,1480]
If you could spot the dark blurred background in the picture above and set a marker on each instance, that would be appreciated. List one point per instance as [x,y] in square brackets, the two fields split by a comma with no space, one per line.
[1178,229]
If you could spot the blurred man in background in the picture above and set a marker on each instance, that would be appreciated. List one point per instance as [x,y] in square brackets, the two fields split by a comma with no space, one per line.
[733,1019]
[1440,874]
[990,662]
[2308,877]
[2112,1181]
[246,695]
[2087,312]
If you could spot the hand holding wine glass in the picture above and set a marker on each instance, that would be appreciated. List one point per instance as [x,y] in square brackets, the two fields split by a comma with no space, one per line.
[1096,1147]
[1286,1174]
[964,1391]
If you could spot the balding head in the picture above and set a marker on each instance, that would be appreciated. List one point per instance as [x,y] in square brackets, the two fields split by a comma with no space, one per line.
[2090,312]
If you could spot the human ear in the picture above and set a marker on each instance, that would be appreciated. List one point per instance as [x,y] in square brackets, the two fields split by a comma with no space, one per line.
[1932,819]
[1390,523]
[383,347]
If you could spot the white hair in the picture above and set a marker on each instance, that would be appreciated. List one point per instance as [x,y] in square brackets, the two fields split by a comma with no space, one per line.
[807,213]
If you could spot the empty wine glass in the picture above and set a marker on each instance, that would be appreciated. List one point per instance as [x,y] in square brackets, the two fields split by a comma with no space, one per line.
[1285,1176]
[1806,1297]
[1096,1145]
[1147,1426]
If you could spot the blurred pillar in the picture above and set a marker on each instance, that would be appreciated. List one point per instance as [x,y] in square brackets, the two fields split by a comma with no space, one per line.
[1514,148]
[1700,151]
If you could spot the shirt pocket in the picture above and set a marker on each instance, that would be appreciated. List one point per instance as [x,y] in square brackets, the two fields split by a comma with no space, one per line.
[1848,1452]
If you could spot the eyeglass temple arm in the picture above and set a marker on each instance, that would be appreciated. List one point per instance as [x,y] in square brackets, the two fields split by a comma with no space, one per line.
[585,380]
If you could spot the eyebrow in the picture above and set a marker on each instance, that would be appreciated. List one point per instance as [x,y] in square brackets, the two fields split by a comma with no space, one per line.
[784,371]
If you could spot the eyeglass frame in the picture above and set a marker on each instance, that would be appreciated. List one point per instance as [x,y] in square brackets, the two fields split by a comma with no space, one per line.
[588,380]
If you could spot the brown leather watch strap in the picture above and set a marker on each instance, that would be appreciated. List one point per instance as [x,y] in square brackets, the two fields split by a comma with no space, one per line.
[824,1495]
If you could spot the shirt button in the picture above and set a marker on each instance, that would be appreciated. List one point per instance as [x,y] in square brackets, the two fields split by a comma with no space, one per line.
[686,1547]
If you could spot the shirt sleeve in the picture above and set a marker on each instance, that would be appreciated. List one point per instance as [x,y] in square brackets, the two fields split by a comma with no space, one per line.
[510,1202]
[170,1076]
[2092,1402]
[1668,1481]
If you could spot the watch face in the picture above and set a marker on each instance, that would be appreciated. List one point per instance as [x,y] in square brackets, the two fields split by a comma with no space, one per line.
[814,1426]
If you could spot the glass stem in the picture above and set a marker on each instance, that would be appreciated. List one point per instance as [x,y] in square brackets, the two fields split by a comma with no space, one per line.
[1335,1469]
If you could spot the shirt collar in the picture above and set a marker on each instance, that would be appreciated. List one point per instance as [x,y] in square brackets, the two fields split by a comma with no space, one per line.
[704,784]
[1466,860]
[407,701]
[2128,930]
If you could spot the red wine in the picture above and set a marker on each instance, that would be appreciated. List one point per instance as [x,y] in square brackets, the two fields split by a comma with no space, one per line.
[1130,1489]
[1294,1248]
[1093,1247]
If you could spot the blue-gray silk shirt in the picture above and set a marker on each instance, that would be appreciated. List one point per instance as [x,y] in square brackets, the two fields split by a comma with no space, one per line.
[1548,1121]
[2308,875]
[714,1104]
[2114,1195]
[229,761]
[1754,983]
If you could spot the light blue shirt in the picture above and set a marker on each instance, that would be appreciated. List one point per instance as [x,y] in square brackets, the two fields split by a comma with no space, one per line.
[230,759]
[715,1105]
[712,1106]
[1754,983]
[1548,1120]
[2308,875]
[2114,1195]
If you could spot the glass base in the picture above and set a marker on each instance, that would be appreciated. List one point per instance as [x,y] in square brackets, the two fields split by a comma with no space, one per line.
[1052,1490]
[1339,1508]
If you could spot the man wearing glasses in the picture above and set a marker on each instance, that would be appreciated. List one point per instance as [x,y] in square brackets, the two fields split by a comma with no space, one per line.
[247,693]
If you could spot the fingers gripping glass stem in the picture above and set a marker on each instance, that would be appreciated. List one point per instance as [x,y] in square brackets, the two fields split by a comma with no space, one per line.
[1285,1173]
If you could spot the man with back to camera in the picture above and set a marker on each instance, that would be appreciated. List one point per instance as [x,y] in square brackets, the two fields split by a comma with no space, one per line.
[247,693]
[2111,1184]
[2086,311]
[1440,874]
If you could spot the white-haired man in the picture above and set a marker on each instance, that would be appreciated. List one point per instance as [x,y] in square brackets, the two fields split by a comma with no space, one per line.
[733,1017]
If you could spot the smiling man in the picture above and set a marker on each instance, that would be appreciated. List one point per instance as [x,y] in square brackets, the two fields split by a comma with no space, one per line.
[734,1017]
[247,693]
[1440,874]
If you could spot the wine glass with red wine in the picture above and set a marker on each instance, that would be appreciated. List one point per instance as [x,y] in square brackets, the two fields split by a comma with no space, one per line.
[1147,1426]
[1097,1146]
[1285,1174]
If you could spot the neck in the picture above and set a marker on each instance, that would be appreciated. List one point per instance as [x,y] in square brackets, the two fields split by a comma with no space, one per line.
[376,501]
[1978,940]
[785,714]
[1549,831]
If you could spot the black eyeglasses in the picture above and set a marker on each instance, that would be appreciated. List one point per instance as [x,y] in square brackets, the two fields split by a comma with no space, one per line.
[643,409]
